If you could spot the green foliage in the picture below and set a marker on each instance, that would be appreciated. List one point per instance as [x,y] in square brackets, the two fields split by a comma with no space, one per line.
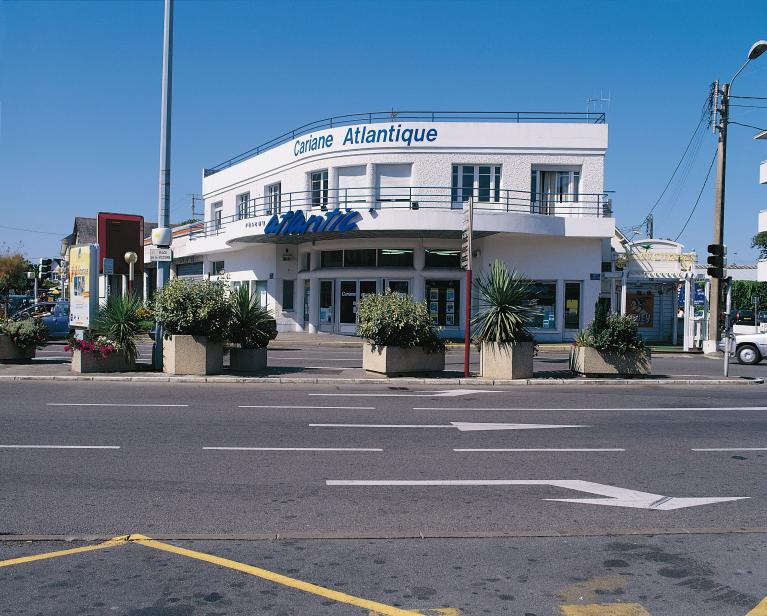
[395,319]
[252,327]
[611,333]
[144,312]
[507,306]
[118,321]
[760,241]
[194,308]
[26,334]
[13,272]
[744,290]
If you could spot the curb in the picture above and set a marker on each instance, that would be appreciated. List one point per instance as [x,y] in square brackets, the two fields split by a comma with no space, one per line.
[381,381]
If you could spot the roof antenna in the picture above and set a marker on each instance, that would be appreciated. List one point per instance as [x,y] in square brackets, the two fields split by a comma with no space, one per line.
[600,104]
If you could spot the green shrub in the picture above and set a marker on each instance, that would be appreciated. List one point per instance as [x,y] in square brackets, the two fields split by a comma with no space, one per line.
[611,333]
[395,319]
[507,306]
[145,312]
[26,334]
[194,308]
[252,327]
[118,321]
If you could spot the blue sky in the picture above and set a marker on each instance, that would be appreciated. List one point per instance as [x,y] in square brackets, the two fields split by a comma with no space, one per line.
[80,93]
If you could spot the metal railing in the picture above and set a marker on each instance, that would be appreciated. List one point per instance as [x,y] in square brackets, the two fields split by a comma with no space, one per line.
[414,198]
[374,117]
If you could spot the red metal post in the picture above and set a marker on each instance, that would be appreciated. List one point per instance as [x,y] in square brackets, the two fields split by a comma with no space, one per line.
[467,325]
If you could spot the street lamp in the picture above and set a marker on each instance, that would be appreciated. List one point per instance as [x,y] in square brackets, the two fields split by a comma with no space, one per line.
[756,50]
[130,259]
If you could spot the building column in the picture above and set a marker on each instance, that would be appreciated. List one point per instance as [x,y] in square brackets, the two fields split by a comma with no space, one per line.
[314,307]
[624,291]
[419,261]
[675,322]
[145,289]
[370,181]
[688,334]
[334,200]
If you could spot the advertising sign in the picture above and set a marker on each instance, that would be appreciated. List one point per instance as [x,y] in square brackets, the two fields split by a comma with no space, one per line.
[641,307]
[83,284]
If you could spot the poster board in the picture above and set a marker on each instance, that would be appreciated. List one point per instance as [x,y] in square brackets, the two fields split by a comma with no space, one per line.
[641,307]
[83,284]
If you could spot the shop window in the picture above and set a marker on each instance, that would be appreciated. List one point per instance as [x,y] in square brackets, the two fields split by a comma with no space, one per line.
[332,258]
[444,301]
[319,188]
[481,181]
[274,198]
[572,305]
[288,289]
[449,259]
[399,286]
[365,257]
[217,268]
[546,294]
[392,257]
[242,205]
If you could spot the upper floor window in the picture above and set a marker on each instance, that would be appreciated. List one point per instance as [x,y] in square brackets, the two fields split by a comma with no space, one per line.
[274,198]
[217,213]
[242,205]
[549,187]
[319,187]
[217,268]
[483,182]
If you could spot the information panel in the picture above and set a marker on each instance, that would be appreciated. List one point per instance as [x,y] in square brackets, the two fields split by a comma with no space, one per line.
[83,284]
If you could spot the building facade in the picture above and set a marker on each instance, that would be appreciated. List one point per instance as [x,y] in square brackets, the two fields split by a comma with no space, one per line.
[318,218]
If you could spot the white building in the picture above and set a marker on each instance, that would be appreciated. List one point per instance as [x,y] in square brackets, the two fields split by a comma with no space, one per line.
[325,214]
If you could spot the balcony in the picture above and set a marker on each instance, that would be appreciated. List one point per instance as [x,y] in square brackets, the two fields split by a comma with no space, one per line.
[408,201]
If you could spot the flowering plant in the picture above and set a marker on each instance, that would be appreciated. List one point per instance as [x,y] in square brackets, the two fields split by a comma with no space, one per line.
[27,333]
[101,346]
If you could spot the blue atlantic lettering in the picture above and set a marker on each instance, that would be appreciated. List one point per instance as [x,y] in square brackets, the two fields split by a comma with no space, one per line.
[360,135]
[296,223]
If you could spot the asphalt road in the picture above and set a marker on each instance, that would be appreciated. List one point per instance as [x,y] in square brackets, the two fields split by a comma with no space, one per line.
[246,472]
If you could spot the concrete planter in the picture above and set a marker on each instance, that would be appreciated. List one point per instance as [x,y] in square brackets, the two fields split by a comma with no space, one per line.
[590,362]
[510,361]
[398,360]
[247,360]
[83,363]
[192,355]
[10,352]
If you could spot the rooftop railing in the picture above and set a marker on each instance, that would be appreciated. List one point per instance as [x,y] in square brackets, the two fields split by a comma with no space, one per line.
[412,199]
[374,117]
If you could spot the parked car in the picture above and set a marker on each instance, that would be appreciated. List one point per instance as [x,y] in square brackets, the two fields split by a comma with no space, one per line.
[750,348]
[18,302]
[55,315]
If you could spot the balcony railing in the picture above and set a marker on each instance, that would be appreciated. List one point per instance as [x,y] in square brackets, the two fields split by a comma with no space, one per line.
[413,198]
[374,117]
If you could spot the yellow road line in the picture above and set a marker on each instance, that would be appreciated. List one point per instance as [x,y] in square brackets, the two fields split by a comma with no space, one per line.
[759,610]
[609,609]
[438,611]
[378,608]
[121,540]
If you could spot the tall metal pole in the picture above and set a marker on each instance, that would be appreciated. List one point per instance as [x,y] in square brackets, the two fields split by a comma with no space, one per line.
[721,165]
[163,209]
[467,247]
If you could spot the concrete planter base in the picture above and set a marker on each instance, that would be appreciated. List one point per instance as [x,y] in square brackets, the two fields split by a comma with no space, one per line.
[247,360]
[83,363]
[10,352]
[590,362]
[512,361]
[391,360]
[192,355]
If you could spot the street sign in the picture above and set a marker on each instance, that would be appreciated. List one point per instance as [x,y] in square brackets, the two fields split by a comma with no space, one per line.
[109,266]
[160,254]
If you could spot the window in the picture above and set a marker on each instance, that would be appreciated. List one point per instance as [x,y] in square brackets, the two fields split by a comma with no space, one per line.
[572,305]
[352,185]
[399,286]
[189,269]
[319,186]
[217,268]
[332,258]
[443,258]
[274,198]
[392,257]
[258,288]
[217,210]
[393,182]
[288,287]
[546,293]
[365,257]
[481,181]
[242,205]
[444,302]
[305,261]
[548,188]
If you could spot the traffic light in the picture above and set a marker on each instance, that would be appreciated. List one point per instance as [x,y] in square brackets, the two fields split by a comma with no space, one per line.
[44,268]
[717,260]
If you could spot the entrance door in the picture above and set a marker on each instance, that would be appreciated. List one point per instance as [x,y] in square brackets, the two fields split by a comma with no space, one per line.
[572,307]
[327,306]
[347,307]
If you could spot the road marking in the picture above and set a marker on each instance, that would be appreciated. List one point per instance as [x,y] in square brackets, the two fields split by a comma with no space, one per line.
[732,449]
[759,610]
[272,406]
[277,578]
[111,404]
[438,611]
[447,393]
[463,426]
[115,541]
[634,408]
[606,609]
[615,496]
[59,447]
[292,449]
[541,449]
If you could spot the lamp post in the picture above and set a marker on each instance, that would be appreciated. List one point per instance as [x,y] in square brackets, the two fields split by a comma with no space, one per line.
[33,276]
[130,259]
[757,49]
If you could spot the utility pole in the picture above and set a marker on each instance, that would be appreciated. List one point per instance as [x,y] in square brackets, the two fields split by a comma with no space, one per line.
[162,235]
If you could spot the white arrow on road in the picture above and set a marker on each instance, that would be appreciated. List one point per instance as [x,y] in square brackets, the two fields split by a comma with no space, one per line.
[446,393]
[463,426]
[616,497]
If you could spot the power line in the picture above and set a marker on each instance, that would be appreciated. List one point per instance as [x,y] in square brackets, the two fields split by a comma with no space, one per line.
[747,125]
[702,188]
[756,98]
[750,106]
[30,230]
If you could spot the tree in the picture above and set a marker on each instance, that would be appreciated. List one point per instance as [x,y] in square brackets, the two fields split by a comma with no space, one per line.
[13,272]
[744,290]
[760,241]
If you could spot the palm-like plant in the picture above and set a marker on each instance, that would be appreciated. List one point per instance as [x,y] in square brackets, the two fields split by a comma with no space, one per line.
[507,306]
[252,327]
[119,321]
